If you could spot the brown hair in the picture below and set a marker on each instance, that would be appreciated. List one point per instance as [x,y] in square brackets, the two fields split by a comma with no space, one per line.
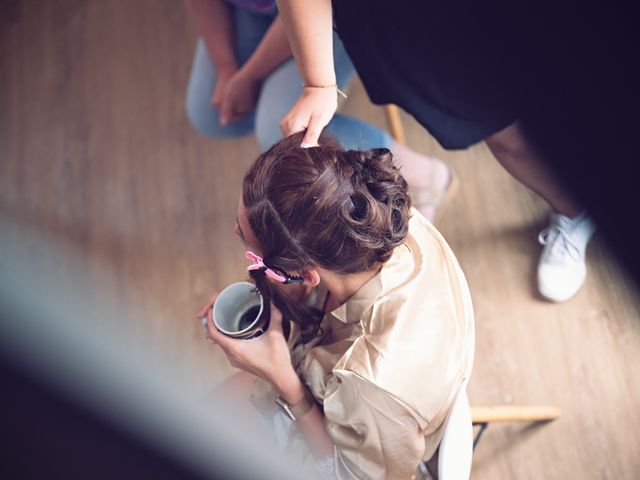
[342,210]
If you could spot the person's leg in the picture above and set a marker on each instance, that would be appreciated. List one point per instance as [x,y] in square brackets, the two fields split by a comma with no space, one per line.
[562,268]
[520,159]
[430,180]
[204,117]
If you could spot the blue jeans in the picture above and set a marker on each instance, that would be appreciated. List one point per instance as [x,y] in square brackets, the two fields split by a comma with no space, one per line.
[279,92]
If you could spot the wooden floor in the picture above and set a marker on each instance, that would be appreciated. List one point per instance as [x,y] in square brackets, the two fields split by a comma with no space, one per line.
[96,152]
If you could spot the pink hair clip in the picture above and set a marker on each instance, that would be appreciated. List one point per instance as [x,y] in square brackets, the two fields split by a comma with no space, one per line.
[258,264]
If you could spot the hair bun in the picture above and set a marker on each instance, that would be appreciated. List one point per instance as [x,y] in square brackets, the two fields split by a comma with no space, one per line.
[377,211]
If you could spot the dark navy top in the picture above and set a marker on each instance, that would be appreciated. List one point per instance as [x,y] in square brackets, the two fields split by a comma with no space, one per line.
[443,61]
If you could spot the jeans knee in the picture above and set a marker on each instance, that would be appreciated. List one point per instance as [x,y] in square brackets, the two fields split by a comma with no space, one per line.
[205,120]
[198,120]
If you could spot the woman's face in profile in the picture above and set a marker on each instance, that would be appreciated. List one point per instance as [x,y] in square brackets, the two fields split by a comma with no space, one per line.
[243,230]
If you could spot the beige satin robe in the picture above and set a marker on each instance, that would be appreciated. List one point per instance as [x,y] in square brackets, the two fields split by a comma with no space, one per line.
[392,359]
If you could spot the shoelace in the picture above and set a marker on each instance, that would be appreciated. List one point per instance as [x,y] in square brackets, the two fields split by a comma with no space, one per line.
[558,236]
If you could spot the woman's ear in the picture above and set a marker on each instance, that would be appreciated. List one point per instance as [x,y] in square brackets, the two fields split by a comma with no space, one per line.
[311,277]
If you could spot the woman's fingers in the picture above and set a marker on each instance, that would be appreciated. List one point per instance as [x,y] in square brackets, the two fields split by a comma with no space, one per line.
[216,99]
[292,124]
[236,115]
[231,346]
[206,335]
[213,333]
[203,311]
[226,111]
[313,111]
[313,132]
[208,305]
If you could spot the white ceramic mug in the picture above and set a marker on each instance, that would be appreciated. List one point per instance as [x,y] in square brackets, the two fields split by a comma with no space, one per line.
[238,311]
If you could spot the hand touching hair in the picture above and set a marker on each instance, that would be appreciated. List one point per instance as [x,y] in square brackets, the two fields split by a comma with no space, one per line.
[375,214]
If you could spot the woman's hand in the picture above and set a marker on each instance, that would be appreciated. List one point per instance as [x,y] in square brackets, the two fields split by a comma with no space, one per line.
[313,111]
[224,75]
[266,356]
[240,96]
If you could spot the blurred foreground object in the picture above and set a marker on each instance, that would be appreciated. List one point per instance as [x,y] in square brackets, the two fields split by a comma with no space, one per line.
[84,397]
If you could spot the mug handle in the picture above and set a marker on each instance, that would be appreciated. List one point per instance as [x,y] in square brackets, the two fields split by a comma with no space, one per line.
[257,333]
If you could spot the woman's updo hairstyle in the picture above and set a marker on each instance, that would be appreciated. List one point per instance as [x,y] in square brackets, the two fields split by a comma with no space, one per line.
[342,210]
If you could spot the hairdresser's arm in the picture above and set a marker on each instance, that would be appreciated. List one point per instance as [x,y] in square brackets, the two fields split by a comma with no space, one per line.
[308,24]
[268,357]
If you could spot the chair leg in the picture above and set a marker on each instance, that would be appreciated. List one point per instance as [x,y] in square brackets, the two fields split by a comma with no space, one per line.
[395,123]
[514,413]
[483,426]
[483,416]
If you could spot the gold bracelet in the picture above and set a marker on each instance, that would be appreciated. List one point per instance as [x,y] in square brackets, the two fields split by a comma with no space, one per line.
[335,85]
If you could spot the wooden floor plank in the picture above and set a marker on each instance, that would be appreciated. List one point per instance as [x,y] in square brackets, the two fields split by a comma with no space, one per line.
[96,151]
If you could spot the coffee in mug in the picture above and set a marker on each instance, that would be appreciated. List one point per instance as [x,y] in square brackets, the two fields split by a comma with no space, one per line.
[240,311]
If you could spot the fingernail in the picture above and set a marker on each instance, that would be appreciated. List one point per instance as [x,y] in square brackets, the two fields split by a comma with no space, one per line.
[305,145]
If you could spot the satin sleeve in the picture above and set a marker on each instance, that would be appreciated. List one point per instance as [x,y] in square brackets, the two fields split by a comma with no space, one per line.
[375,435]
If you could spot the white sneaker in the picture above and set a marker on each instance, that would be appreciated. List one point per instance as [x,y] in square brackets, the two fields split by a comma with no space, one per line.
[562,269]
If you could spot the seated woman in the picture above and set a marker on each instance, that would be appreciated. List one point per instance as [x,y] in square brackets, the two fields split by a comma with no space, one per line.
[381,333]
